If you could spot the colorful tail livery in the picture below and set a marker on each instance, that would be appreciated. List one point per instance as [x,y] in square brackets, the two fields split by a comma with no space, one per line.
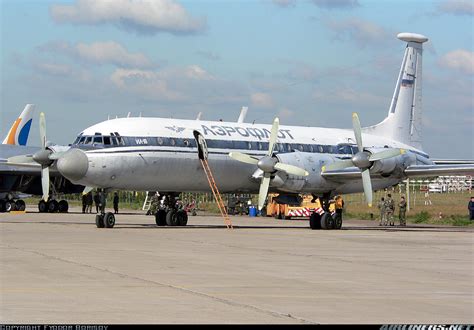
[18,134]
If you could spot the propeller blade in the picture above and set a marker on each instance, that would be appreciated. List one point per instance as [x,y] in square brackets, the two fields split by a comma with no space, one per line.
[367,184]
[21,159]
[273,136]
[290,169]
[338,165]
[357,130]
[262,194]
[244,158]
[389,153]
[42,129]
[45,182]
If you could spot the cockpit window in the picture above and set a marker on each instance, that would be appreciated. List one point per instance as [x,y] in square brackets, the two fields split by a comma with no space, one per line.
[98,140]
[82,139]
[107,140]
[88,140]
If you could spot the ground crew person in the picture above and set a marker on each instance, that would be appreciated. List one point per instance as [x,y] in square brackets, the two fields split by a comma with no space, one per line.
[155,202]
[383,218]
[389,209]
[470,206]
[90,200]
[97,201]
[84,203]
[115,202]
[402,209]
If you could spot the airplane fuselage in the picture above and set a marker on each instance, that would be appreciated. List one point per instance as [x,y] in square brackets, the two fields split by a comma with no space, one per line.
[161,154]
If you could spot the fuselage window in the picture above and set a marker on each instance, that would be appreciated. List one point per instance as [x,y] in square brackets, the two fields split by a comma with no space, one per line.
[300,147]
[186,143]
[159,140]
[288,147]
[311,149]
[173,142]
[250,145]
[320,149]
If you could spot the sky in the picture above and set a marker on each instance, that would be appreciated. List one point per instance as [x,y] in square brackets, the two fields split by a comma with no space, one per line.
[309,62]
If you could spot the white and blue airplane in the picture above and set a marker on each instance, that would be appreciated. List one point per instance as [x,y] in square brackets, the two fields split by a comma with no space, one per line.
[149,154]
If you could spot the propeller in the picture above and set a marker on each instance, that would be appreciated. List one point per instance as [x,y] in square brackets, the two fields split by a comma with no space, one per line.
[268,164]
[42,157]
[363,159]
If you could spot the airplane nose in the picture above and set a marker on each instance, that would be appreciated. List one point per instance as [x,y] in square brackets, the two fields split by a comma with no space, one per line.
[73,164]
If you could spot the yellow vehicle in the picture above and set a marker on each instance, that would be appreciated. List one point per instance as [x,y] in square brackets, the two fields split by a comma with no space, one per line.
[322,215]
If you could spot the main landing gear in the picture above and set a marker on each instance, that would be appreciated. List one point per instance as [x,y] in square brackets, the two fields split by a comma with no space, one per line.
[332,216]
[53,206]
[170,213]
[8,205]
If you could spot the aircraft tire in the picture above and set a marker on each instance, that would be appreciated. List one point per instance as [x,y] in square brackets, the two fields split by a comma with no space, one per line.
[20,205]
[109,220]
[2,206]
[327,222]
[63,206]
[315,221]
[171,218]
[182,218]
[42,206]
[10,206]
[160,218]
[53,206]
[99,221]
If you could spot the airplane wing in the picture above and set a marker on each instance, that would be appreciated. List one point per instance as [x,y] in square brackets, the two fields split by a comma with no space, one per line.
[453,161]
[437,170]
[412,171]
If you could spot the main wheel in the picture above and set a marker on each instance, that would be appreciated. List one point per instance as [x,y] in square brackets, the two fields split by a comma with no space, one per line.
[53,206]
[337,220]
[42,206]
[315,221]
[20,205]
[99,221]
[171,218]
[9,206]
[327,222]
[160,218]
[2,206]
[63,206]
[182,217]
[109,220]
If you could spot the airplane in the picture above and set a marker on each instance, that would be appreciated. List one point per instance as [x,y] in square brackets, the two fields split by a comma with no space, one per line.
[17,182]
[160,154]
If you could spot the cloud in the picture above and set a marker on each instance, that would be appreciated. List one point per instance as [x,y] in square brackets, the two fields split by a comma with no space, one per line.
[456,7]
[189,84]
[208,55]
[99,53]
[336,4]
[363,33]
[284,3]
[460,60]
[140,16]
[262,100]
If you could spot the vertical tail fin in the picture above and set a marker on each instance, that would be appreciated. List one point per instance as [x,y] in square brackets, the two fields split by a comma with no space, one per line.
[20,130]
[403,122]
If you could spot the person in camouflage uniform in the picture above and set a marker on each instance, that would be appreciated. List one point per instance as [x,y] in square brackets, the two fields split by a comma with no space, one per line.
[402,209]
[389,209]
[155,203]
[381,207]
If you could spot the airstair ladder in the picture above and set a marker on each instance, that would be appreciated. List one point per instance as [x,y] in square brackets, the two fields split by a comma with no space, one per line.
[215,192]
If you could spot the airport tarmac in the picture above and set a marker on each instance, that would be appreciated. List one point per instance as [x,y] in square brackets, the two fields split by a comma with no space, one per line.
[60,268]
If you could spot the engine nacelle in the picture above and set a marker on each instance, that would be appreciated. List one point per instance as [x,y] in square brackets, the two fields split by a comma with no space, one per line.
[393,165]
[310,162]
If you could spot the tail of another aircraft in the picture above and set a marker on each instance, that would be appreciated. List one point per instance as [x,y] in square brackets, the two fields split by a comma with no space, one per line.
[18,134]
[403,122]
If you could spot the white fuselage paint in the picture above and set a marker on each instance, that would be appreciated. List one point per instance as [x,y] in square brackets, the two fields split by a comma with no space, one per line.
[148,166]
